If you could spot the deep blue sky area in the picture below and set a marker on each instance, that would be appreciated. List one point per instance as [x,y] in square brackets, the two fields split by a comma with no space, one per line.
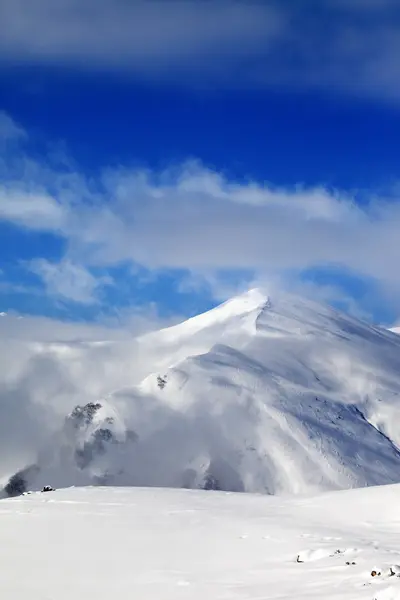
[269,134]
[170,155]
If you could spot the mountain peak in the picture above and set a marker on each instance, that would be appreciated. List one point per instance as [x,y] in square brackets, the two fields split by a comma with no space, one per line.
[280,397]
[243,303]
[216,320]
[254,297]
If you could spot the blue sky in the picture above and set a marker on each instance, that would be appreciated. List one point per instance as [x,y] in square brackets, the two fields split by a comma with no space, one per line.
[172,154]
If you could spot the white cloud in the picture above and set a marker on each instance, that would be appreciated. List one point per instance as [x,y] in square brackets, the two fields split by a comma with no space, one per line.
[183,222]
[69,281]
[47,367]
[143,36]
[9,129]
[194,218]
[349,46]
[31,210]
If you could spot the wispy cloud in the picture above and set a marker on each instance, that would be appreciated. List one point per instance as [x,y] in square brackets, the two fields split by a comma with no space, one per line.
[193,218]
[9,129]
[343,46]
[48,366]
[142,36]
[31,210]
[69,281]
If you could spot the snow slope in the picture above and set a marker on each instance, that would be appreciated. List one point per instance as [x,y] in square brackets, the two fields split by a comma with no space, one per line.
[184,544]
[272,395]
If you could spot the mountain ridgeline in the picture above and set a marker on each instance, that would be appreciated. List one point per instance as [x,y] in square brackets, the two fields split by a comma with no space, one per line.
[277,396]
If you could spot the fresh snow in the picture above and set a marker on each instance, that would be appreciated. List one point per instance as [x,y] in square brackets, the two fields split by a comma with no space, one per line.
[269,395]
[185,544]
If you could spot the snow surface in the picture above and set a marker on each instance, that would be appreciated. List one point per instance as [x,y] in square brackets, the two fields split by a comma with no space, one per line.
[185,544]
[271,395]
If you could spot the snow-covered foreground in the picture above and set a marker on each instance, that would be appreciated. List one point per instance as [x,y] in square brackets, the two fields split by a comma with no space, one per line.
[173,544]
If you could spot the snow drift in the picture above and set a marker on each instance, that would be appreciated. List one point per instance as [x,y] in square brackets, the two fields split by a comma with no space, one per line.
[272,395]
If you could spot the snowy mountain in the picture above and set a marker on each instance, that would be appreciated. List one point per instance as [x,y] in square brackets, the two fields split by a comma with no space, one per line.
[183,544]
[272,395]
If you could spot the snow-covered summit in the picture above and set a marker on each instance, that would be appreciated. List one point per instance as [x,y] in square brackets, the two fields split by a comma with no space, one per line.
[268,394]
[252,300]
[226,318]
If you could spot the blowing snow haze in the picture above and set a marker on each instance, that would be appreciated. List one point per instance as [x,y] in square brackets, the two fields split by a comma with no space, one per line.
[277,396]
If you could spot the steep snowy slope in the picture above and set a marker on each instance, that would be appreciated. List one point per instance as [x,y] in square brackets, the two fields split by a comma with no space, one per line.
[268,395]
[191,545]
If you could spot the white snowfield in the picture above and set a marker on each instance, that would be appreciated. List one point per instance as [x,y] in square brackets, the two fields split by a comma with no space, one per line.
[160,544]
[267,395]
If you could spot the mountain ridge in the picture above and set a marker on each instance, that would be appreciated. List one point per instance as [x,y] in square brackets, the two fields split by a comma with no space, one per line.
[282,396]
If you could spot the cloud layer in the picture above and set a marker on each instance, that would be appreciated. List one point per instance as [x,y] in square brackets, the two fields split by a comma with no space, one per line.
[68,280]
[47,367]
[215,231]
[350,46]
[141,35]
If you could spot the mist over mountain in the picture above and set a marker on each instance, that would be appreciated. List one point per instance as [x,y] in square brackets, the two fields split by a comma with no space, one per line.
[273,395]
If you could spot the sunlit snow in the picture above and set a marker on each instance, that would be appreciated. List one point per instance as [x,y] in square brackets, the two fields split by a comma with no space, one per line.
[268,395]
[184,544]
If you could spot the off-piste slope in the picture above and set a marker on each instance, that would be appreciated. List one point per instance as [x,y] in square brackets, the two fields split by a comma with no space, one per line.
[189,545]
[278,396]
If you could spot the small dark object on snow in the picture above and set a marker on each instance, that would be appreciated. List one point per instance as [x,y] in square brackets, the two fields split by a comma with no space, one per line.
[48,488]
[298,559]
[211,483]
[161,381]
[350,563]
[375,573]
